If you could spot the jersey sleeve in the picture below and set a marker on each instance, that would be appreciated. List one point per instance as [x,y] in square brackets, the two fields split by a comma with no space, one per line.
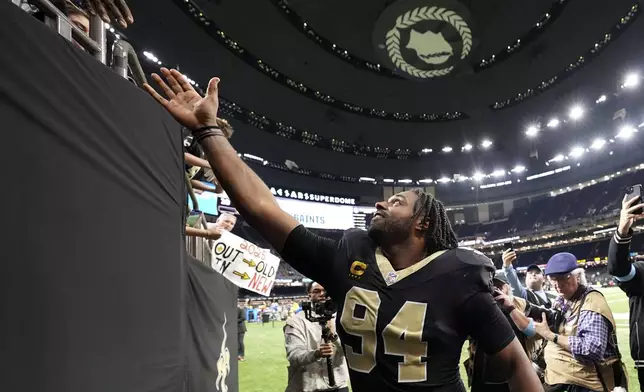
[485,323]
[310,254]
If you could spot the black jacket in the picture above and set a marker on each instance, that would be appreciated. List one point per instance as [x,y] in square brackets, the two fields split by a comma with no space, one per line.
[622,267]
[241,318]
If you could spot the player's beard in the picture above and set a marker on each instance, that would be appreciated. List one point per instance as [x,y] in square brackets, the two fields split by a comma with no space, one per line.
[389,230]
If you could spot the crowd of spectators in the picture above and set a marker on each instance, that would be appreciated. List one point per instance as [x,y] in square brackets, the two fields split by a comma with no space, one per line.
[594,202]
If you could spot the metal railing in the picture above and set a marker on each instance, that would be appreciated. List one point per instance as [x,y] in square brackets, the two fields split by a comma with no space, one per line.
[124,58]
[55,18]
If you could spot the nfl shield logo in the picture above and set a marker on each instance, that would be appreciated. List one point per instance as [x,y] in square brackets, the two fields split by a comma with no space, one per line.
[391,277]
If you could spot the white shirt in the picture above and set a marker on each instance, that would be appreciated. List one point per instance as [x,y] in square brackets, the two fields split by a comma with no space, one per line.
[305,372]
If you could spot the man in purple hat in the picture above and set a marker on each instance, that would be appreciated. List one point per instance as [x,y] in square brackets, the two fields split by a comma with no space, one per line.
[581,354]
[533,292]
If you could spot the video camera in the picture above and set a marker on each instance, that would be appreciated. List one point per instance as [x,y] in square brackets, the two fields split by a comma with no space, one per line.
[321,312]
[318,312]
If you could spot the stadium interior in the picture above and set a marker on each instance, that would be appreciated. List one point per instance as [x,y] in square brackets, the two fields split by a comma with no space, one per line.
[530,132]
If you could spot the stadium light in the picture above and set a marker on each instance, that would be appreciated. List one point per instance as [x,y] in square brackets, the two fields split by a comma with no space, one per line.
[388,180]
[626,132]
[576,152]
[486,143]
[553,123]
[254,158]
[532,131]
[498,173]
[598,144]
[443,180]
[150,56]
[466,147]
[631,80]
[576,112]
[478,176]
[601,99]
[367,179]
[519,169]
[426,181]
[405,181]
[557,158]
[447,149]
[426,150]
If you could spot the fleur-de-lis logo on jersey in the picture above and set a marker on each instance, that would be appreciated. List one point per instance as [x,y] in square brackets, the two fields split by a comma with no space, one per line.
[223,363]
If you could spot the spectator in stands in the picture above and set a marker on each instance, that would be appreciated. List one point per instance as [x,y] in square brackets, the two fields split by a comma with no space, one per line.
[226,222]
[77,16]
[241,331]
[581,353]
[306,352]
[514,308]
[534,280]
[629,275]
[111,11]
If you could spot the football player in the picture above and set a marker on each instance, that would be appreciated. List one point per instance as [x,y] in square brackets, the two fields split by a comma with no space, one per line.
[407,296]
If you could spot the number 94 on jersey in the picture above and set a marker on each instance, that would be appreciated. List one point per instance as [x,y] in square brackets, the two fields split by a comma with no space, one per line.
[401,337]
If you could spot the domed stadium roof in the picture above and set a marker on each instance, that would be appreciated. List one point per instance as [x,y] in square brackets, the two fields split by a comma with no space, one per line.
[469,93]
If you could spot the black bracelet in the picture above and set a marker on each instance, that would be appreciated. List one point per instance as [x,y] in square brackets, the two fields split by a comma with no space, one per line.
[206,128]
[509,309]
[204,132]
[555,339]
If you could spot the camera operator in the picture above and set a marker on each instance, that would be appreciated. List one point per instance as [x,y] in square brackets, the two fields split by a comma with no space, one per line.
[628,274]
[306,351]
[494,379]
[581,354]
[534,280]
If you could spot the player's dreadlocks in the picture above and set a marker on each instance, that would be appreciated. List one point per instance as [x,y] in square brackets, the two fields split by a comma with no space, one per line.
[439,234]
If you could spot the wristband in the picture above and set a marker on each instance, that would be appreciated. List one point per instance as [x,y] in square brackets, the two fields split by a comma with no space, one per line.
[509,309]
[201,133]
[555,339]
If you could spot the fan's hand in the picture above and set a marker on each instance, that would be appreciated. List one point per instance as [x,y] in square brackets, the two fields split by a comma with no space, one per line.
[111,11]
[627,215]
[184,103]
[213,234]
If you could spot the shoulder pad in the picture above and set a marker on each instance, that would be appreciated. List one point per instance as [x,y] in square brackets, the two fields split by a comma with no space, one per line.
[474,257]
[355,233]
[356,238]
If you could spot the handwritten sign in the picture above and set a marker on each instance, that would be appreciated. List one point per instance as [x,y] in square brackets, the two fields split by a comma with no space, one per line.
[244,263]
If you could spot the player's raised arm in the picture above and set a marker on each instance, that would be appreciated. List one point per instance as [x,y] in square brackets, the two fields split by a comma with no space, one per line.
[246,190]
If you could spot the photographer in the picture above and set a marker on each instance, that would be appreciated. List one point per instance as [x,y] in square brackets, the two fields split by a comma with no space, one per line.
[306,351]
[515,309]
[581,353]
[628,274]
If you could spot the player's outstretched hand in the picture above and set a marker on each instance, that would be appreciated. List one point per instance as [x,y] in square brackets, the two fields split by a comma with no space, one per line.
[184,103]
[111,11]
[326,350]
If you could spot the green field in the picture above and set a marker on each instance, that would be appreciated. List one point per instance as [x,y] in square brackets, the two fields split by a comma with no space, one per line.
[265,367]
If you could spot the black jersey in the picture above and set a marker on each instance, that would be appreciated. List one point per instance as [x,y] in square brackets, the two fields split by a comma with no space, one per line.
[402,330]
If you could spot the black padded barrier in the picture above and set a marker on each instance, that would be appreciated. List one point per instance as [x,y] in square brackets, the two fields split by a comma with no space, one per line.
[96,289]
